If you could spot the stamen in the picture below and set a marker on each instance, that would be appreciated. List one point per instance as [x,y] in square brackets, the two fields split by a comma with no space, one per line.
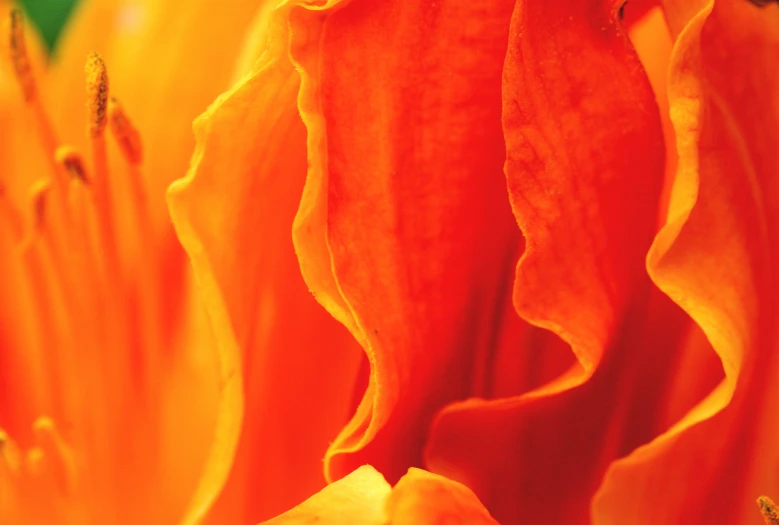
[10,455]
[38,194]
[126,135]
[11,215]
[26,79]
[143,266]
[129,140]
[97,106]
[35,462]
[768,509]
[72,162]
[19,57]
[97,94]
[59,454]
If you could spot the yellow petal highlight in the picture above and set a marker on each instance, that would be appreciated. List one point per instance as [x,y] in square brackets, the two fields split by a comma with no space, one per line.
[363,497]
[423,497]
[357,498]
[234,214]
[716,258]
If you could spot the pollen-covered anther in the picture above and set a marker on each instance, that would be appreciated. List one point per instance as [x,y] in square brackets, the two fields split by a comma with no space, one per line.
[768,509]
[72,162]
[19,57]
[97,95]
[125,133]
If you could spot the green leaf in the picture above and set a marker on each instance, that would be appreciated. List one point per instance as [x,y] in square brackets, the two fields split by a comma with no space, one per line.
[49,16]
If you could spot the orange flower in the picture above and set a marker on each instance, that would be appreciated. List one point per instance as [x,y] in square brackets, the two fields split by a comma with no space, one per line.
[548,226]
[109,381]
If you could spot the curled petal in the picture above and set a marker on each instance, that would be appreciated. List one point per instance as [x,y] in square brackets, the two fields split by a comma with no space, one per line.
[404,232]
[716,257]
[234,215]
[585,162]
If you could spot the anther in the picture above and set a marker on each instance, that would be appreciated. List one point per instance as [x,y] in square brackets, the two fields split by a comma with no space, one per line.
[38,197]
[59,454]
[35,462]
[20,58]
[97,112]
[97,94]
[126,135]
[72,162]
[768,509]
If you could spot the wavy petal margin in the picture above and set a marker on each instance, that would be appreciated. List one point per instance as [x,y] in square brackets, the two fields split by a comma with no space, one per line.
[235,212]
[716,257]
[404,231]
[231,400]
[585,162]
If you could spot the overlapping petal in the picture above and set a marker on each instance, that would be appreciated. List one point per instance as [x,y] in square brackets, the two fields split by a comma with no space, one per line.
[357,498]
[716,258]
[422,497]
[234,215]
[363,497]
[585,168]
[404,231]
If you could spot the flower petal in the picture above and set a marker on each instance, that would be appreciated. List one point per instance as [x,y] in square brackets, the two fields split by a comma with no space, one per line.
[585,167]
[234,215]
[716,257]
[357,498]
[404,231]
[679,13]
[364,498]
[422,497]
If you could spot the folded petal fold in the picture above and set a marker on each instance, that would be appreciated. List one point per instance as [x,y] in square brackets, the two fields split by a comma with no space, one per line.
[234,215]
[585,166]
[404,231]
[716,257]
